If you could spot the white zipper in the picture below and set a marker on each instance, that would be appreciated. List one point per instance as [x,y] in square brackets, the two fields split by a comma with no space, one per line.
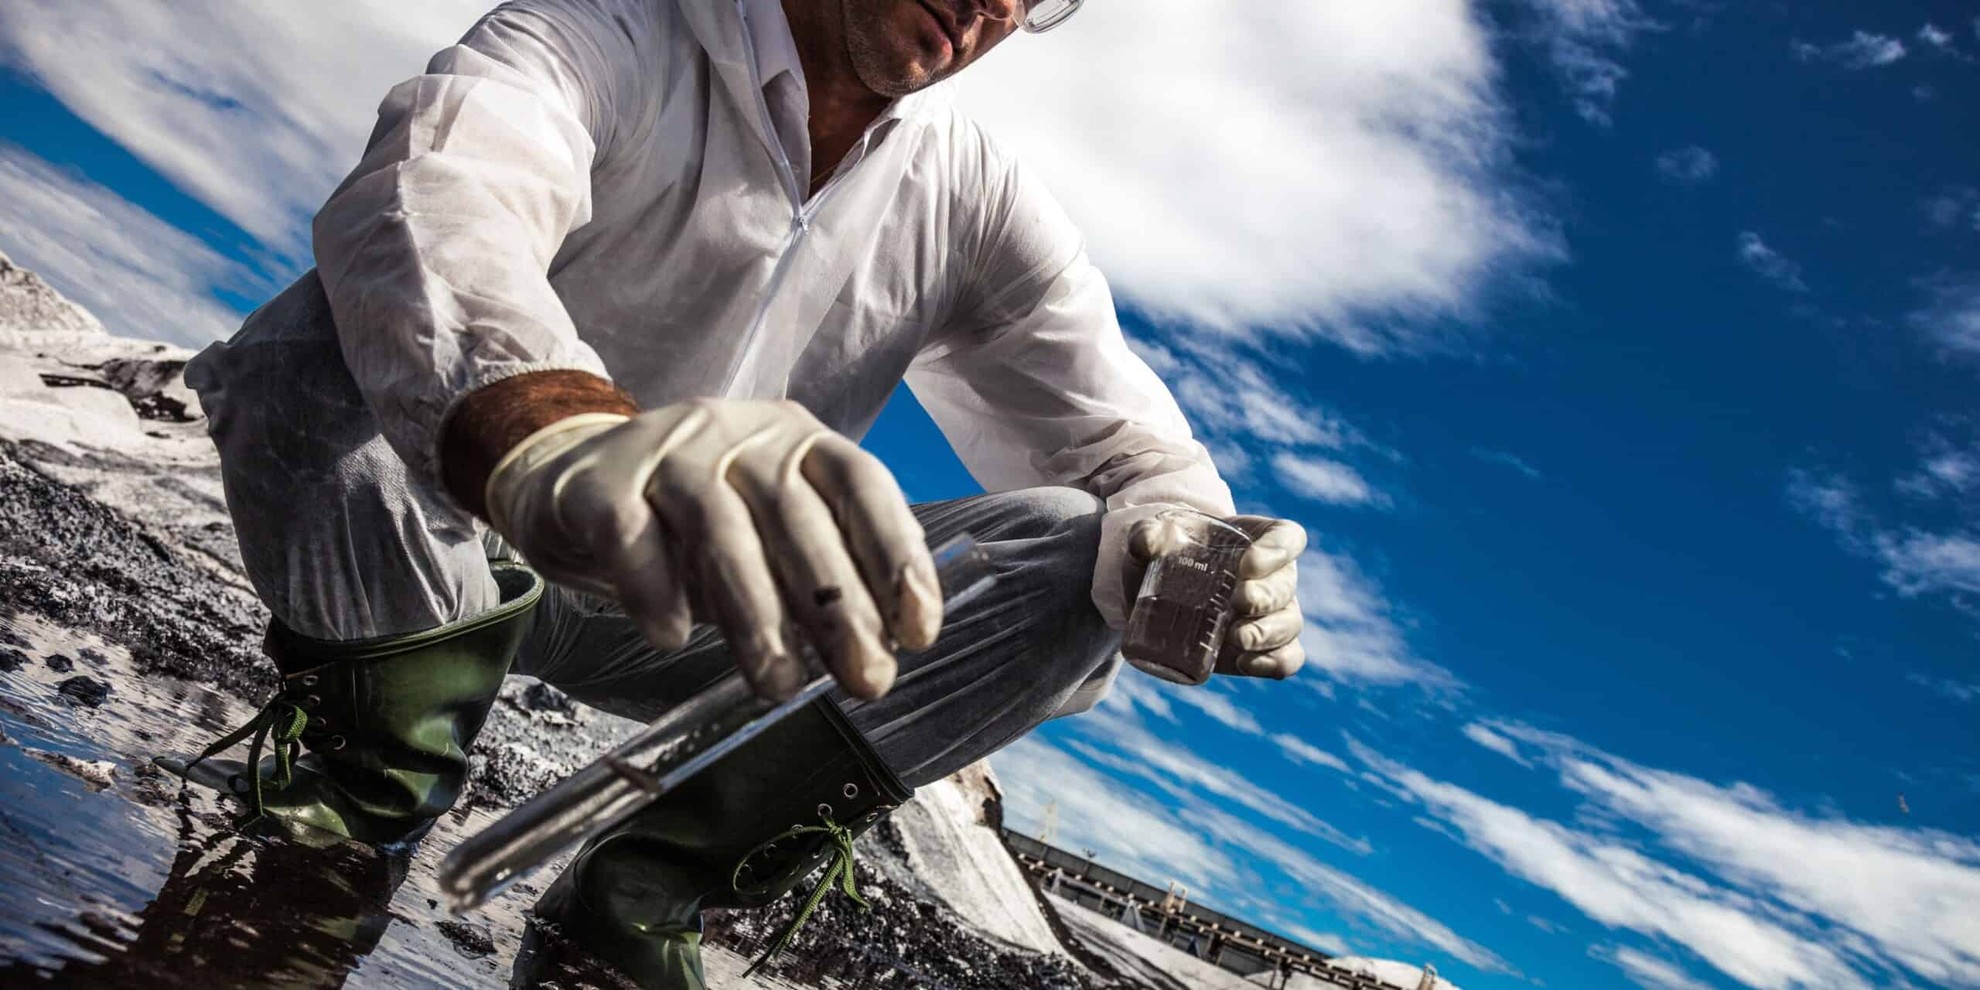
[802,212]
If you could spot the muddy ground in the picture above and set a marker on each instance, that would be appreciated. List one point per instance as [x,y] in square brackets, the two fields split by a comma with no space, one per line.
[127,633]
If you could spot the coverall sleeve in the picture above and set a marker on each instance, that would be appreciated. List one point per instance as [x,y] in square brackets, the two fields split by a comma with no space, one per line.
[435,251]
[1032,381]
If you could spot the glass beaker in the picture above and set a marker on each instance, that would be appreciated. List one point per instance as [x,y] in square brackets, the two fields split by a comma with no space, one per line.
[1183,607]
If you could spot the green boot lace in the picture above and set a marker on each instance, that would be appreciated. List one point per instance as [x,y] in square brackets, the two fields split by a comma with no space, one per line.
[282,722]
[839,871]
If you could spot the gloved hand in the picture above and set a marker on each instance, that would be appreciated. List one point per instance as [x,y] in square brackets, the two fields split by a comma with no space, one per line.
[752,515]
[1263,638]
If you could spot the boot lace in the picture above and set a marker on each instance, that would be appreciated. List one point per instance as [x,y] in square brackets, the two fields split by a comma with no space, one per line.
[281,721]
[838,872]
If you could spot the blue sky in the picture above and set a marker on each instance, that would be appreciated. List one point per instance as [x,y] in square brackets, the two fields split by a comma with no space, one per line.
[1619,358]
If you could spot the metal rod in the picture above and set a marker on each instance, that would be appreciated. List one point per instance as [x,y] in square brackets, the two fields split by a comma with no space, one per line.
[675,747]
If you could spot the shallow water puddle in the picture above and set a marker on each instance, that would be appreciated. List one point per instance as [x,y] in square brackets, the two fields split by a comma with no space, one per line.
[115,875]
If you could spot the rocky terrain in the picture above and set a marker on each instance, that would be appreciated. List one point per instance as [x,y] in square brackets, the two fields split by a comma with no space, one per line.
[127,631]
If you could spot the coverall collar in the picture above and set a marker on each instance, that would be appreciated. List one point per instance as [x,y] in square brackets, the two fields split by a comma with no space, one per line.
[719,28]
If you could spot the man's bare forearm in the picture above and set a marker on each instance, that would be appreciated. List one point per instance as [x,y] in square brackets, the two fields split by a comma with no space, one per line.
[491,420]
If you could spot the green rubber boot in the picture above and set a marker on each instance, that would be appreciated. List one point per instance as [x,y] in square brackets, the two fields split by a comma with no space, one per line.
[386,722]
[740,834]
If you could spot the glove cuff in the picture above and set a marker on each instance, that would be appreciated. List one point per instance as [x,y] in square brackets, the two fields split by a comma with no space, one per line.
[535,450]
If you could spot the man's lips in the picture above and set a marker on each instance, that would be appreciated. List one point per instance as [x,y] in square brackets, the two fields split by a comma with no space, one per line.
[944,25]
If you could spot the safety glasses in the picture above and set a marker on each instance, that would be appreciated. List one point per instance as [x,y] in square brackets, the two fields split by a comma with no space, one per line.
[1041,16]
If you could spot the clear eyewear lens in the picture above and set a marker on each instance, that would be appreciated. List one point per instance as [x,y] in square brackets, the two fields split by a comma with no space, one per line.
[1041,16]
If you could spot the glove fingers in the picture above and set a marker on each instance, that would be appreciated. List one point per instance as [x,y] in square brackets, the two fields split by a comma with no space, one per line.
[1268,594]
[648,586]
[886,540]
[823,590]
[1275,543]
[735,577]
[1276,664]
[1266,632]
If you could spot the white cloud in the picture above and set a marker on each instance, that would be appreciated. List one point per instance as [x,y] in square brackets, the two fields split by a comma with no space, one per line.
[1094,811]
[1688,166]
[1349,633]
[1918,562]
[1960,691]
[1884,895]
[138,274]
[1324,480]
[1829,499]
[1229,179]
[1863,50]
[1220,706]
[1769,263]
[1483,735]
[1646,970]
[1950,314]
[1947,471]
[1956,206]
[1124,744]
[1346,894]
[1510,460]
[255,109]
[1584,39]
[1915,561]
[1300,751]
[1942,42]
[1615,883]
[1231,397]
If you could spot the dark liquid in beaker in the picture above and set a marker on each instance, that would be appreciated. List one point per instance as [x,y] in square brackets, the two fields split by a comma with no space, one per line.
[1184,608]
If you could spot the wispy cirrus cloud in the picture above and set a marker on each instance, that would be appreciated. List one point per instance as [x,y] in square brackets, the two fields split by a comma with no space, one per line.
[1615,883]
[1300,751]
[1942,42]
[1506,459]
[1954,208]
[1688,166]
[138,274]
[1861,50]
[1321,479]
[1484,735]
[1350,633]
[1915,560]
[256,110]
[1585,41]
[1950,312]
[1769,895]
[1764,261]
[1907,894]
[1964,692]
[1119,739]
[1645,970]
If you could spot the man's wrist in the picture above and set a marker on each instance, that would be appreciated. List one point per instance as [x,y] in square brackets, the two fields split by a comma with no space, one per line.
[490,421]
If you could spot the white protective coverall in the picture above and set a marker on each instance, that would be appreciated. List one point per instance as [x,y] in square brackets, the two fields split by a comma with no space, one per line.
[619,186]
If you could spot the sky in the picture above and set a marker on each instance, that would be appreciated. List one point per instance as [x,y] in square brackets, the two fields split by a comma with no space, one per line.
[1618,355]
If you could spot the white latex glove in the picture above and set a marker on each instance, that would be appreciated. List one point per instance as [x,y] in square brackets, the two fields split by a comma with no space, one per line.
[751,515]
[1263,639]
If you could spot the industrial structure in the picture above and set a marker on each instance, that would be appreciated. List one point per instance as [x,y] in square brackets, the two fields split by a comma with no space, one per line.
[1166,914]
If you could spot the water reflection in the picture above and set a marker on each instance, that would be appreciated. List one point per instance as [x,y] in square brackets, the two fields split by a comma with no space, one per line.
[243,910]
